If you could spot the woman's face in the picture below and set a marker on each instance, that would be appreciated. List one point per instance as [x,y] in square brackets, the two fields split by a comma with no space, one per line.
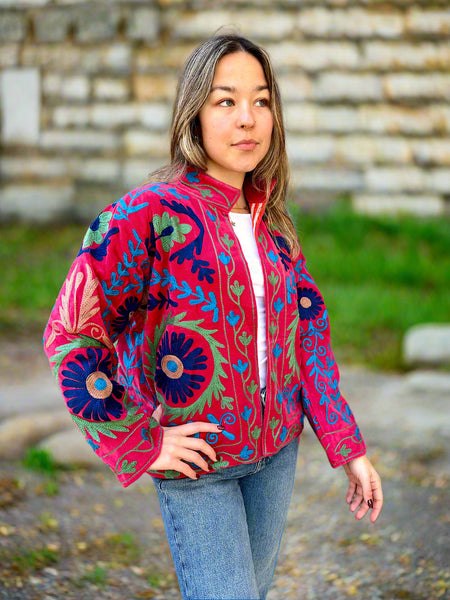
[236,120]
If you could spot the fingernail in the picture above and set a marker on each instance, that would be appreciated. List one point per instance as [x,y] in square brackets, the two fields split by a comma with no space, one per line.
[220,427]
[197,476]
[370,503]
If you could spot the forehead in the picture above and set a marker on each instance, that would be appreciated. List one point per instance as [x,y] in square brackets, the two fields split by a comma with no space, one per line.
[239,67]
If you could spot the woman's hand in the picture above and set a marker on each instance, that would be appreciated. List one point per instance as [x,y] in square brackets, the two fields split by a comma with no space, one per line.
[179,448]
[364,489]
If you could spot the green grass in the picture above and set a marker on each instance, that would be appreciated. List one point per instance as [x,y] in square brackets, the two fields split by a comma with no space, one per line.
[378,276]
[39,460]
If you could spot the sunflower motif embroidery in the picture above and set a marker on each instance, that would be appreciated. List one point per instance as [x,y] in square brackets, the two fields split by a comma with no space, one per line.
[177,367]
[89,391]
[310,304]
[125,313]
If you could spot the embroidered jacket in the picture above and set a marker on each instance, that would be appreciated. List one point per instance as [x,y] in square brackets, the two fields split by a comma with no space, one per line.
[158,309]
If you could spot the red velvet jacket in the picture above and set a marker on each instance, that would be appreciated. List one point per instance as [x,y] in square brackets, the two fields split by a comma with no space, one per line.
[158,309]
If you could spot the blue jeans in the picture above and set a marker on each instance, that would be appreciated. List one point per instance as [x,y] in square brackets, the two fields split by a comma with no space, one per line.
[224,529]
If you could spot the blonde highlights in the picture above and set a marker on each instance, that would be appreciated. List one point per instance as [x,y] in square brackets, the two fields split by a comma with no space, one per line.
[186,148]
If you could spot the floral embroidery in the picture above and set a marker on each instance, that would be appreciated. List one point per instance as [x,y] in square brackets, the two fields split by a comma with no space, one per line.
[310,304]
[96,231]
[125,312]
[88,388]
[176,367]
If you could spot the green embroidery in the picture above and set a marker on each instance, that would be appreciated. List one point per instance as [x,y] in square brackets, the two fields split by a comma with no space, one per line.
[226,402]
[272,327]
[206,193]
[292,328]
[108,428]
[166,222]
[252,387]
[215,386]
[245,339]
[273,376]
[169,473]
[344,451]
[96,237]
[273,423]
[227,241]
[237,289]
[82,341]
[220,464]
[127,467]
[273,278]
[256,433]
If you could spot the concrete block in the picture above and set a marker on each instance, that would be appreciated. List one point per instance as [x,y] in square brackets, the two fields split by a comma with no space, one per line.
[328,179]
[155,116]
[364,150]
[96,22]
[88,140]
[148,143]
[256,24]
[433,86]
[154,87]
[76,87]
[348,86]
[111,116]
[69,448]
[395,179]
[428,21]
[310,149]
[354,22]
[38,203]
[95,169]
[337,119]
[420,120]
[12,27]
[52,25]
[9,55]
[111,89]
[300,116]
[143,24]
[162,56]
[438,180]
[117,57]
[427,344]
[20,101]
[432,151]
[314,56]
[71,116]
[23,167]
[399,204]
[295,87]
[58,57]
[393,55]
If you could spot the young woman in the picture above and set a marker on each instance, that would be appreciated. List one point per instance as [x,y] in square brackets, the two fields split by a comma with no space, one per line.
[190,341]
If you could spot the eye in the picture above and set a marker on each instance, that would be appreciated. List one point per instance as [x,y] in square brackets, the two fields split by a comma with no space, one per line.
[226,102]
[263,102]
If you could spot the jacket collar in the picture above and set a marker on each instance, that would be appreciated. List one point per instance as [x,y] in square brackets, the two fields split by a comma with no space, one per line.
[222,195]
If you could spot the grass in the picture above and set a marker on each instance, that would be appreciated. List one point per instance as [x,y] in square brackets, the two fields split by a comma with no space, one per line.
[379,276]
[39,460]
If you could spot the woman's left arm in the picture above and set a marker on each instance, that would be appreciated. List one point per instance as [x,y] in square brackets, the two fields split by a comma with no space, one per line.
[364,488]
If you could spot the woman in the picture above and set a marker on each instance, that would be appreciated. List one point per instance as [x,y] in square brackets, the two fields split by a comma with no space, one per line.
[190,341]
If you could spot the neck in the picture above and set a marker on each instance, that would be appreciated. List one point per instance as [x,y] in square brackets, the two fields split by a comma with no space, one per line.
[241,203]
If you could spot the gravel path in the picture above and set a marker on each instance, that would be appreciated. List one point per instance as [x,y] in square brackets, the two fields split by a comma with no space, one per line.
[76,534]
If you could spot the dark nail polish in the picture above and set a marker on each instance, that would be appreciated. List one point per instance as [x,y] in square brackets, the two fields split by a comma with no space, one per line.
[370,503]
[220,427]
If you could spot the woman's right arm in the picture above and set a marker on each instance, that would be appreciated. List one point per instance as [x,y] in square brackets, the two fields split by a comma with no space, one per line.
[106,283]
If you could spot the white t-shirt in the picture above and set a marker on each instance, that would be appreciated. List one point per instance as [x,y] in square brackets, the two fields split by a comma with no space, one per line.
[244,231]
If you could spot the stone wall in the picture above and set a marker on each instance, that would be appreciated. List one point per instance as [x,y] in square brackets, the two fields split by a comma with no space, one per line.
[86,91]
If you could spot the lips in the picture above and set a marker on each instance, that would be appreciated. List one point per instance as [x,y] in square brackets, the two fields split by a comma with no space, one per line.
[245,144]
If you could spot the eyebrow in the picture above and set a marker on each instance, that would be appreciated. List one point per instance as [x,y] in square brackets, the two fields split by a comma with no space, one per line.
[231,89]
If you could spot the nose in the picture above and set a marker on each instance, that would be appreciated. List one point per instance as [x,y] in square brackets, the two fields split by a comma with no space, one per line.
[246,118]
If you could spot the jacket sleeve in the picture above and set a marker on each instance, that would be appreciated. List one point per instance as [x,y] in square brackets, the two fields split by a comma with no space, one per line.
[327,411]
[103,294]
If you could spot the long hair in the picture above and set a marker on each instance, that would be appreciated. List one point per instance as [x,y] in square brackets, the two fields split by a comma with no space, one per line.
[186,148]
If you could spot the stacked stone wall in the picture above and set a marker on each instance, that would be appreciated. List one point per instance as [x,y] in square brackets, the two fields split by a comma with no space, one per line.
[86,89]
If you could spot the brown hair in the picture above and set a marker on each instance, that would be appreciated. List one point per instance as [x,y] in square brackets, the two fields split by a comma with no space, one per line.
[186,147]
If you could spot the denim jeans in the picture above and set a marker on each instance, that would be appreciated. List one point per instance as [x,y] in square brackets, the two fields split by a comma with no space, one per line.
[224,529]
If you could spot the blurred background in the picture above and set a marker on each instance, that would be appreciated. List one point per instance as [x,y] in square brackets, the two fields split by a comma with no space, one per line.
[86,89]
